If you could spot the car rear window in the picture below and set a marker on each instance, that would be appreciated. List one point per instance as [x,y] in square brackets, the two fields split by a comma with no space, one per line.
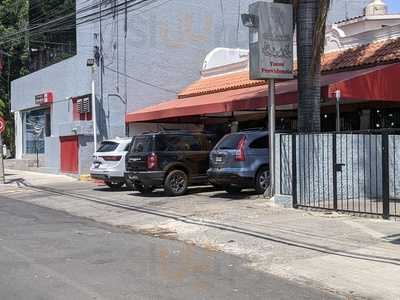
[142,144]
[178,143]
[260,143]
[229,142]
[108,147]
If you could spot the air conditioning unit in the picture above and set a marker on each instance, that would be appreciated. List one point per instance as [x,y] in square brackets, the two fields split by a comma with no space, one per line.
[84,105]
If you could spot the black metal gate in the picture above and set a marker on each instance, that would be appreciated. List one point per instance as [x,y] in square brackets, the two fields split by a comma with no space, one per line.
[348,172]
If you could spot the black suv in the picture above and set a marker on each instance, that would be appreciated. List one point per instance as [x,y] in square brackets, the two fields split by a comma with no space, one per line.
[170,159]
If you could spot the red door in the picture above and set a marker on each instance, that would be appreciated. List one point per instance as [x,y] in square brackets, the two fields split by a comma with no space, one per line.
[69,154]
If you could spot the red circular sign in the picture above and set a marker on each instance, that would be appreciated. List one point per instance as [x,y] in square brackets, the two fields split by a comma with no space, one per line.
[2,125]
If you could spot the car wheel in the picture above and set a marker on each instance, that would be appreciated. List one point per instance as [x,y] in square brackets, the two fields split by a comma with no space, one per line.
[233,189]
[176,183]
[141,188]
[114,185]
[263,180]
[129,184]
[217,186]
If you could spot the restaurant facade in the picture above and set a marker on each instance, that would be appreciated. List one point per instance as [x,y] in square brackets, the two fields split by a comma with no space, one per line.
[225,99]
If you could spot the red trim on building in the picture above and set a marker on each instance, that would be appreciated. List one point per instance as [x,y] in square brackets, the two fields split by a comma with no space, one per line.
[380,85]
[365,84]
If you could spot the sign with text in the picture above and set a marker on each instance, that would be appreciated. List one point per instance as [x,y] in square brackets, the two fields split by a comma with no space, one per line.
[44,98]
[2,125]
[271,41]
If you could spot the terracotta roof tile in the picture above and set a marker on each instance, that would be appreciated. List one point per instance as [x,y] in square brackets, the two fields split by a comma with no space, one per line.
[362,56]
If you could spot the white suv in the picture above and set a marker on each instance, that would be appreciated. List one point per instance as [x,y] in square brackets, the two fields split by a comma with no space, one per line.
[109,162]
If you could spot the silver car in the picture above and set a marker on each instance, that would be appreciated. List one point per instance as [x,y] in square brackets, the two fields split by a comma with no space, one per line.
[240,160]
[109,162]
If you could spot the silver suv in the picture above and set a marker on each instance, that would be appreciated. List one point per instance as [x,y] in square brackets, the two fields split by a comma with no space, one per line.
[240,160]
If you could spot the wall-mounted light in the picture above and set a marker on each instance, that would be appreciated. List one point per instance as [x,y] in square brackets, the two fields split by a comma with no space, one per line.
[249,20]
[90,62]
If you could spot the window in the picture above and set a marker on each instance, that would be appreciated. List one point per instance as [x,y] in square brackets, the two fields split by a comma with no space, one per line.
[208,142]
[107,147]
[260,143]
[35,128]
[178,143]
[81,108]
[48,124]
[127,147]
[229,142]
[142,144]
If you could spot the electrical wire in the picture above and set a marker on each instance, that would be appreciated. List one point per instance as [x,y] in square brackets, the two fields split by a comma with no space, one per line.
[143,82]
[58,21]
[41,28]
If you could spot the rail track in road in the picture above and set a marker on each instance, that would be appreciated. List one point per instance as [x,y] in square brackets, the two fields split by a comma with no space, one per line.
[230,228]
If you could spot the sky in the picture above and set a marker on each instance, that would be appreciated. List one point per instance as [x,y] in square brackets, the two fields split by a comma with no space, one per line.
[394,6]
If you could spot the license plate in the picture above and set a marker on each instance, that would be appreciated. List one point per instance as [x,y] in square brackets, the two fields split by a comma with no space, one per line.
[218,159]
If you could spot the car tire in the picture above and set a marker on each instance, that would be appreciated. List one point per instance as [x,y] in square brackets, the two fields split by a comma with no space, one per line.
[129,184]
[176,183]
[263,180]
[141,188]
[233,189]
[217,186]
[114,185]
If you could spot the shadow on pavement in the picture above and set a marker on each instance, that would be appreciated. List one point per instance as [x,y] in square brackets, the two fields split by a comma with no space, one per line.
[160,192]
[107,189]
[238,196]
[393,238]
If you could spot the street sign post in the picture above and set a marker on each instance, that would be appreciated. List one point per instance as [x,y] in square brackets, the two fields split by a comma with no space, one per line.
[271,56]
[2,128]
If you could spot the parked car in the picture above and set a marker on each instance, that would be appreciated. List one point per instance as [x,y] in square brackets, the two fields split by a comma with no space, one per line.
[109,162]
[169,159]
[240,160]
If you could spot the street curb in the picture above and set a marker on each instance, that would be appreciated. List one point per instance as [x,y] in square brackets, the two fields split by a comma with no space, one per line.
[85,178]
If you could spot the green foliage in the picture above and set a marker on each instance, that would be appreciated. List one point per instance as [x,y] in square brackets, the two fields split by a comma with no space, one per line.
[13,18]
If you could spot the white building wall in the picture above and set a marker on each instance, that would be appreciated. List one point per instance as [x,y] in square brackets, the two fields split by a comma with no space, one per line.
[18,135]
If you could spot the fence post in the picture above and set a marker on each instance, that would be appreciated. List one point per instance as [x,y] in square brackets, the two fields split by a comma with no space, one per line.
[334,162]
[385,176]
[294,171]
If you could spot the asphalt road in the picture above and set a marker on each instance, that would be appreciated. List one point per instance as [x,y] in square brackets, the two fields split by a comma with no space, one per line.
[46,254]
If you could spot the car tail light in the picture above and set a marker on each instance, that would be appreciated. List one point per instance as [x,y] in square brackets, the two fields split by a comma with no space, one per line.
[152,160]
[112,158]
[240,150]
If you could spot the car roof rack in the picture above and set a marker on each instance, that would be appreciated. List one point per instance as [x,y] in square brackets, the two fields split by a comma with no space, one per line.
[254,129]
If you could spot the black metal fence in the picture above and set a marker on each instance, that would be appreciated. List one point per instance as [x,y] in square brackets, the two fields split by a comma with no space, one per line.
[350,172]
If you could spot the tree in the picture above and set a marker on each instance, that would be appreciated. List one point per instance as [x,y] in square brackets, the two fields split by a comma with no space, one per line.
[14,58]
[310,20]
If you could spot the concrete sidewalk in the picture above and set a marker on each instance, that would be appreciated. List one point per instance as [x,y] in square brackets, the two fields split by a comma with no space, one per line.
[352,256]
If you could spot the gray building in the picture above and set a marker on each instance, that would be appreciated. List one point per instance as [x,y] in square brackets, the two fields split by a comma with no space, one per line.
[146,54]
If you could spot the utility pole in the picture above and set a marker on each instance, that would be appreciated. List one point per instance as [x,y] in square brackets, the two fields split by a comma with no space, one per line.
[271,57]
[91,63]
[94,116]
[271,132]
[2,173]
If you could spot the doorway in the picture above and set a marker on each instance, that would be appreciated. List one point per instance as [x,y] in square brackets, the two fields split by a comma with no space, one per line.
[69,154]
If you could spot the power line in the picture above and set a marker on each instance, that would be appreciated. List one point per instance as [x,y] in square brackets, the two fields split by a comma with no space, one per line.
[142,81]
[83,19]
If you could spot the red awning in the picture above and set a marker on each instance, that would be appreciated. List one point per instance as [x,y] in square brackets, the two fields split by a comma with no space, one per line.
[375,83]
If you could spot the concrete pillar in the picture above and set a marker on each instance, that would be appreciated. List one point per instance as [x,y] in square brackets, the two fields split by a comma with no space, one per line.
[19,143]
